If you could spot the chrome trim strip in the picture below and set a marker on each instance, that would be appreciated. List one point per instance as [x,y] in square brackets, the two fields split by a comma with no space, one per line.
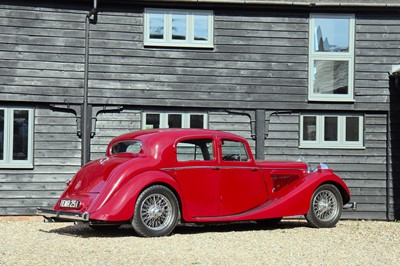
[55,215]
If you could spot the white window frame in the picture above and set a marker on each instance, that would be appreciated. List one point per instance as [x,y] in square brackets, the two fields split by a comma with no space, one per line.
[341,143]
[167,40]
[331,56]
[164,118]
[8,161]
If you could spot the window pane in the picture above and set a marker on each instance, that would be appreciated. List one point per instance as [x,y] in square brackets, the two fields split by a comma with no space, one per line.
[20,137]
[175,121]
[152,121]
[156,25]
[196,121]
[200,27]
[1,134]
[310,128]
[352,129]
[234,151]
[198,150]
[331,77]
[331,125]
[178,27]
[331,34]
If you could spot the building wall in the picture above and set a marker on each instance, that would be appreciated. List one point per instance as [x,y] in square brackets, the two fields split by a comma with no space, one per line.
[56,159]
[260,60]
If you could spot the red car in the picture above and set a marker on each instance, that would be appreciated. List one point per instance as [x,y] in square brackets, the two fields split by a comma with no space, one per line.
[154,179]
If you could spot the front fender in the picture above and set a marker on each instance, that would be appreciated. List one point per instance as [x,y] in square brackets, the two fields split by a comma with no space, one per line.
[120,207]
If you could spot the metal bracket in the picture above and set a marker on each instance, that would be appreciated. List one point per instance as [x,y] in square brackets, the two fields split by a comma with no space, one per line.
[102,109]
[74,109]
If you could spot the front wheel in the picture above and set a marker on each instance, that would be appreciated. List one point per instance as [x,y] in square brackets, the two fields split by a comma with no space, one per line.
[156,212]
[325,207]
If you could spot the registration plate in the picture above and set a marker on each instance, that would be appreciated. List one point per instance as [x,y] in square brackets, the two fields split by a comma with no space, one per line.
[70,203]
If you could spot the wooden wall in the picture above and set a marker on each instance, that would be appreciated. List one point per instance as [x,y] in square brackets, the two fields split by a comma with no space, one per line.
[56,159]
[260,60]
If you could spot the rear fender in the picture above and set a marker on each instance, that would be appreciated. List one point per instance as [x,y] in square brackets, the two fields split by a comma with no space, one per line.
[120,207]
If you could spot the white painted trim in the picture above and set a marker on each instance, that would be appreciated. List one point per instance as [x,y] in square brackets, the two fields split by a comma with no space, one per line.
[341,143]
[332,56]
[8,161]
[167,40]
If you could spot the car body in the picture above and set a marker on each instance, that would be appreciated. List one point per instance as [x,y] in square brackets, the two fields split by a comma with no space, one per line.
[156,178]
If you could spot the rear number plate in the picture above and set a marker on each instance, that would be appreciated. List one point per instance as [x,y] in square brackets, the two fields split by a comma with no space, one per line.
[70,203]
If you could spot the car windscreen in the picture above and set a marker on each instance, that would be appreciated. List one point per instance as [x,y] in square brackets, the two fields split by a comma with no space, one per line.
[130,146]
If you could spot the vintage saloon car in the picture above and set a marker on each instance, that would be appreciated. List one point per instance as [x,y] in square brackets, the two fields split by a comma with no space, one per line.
[154,179]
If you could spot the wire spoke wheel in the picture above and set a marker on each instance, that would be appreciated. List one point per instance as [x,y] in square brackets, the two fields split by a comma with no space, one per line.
[325,207]
[156,211]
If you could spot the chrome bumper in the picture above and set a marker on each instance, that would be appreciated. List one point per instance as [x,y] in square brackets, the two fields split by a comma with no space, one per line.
[54,216]
[352,206]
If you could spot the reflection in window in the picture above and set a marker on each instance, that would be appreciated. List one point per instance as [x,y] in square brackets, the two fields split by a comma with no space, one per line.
[156,25]
[178,26]
[16,137]
[331,34]
[200,27]
[331,57]
[331,131]
[331,77]
[309,128]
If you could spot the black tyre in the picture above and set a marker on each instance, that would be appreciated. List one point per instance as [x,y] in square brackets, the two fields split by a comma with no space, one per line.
[156,212]
[325,207]
[269,222]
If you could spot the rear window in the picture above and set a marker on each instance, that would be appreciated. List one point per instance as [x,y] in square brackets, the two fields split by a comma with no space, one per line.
[131,146]
[195,150]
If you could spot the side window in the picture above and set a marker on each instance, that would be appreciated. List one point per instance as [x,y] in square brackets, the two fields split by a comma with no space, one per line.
[195,150]
[234,151]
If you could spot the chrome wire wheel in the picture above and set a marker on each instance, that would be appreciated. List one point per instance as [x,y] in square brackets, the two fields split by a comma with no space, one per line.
[156,212]
[325,205]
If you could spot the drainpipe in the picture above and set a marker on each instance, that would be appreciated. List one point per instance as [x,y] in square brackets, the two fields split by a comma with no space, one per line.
[86,109]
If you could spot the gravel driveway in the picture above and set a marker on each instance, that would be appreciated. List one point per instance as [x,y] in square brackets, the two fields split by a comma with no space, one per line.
[291,242]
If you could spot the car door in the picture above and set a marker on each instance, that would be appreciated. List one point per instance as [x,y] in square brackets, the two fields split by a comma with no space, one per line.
[242,184]
[198,175]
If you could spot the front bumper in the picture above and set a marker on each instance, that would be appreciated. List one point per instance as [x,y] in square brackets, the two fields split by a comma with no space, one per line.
[54,216]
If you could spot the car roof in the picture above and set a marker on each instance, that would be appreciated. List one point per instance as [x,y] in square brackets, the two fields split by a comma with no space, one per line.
[173,133]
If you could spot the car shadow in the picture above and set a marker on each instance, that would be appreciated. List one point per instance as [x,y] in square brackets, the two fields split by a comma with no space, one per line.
[84,231]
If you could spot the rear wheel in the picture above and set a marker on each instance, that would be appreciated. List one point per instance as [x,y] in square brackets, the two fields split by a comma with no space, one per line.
[325,207]
[156,212]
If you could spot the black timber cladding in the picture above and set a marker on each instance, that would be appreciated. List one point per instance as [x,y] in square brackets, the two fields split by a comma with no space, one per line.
[42,61]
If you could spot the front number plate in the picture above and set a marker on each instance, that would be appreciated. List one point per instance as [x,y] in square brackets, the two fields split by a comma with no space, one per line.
[70,203]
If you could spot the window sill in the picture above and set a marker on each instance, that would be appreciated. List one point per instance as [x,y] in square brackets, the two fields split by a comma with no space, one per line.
[16,166]
[331,147]
[328,99]
[177,45]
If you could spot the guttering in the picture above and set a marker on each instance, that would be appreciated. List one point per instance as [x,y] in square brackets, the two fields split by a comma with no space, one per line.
[283,3]
[85,106]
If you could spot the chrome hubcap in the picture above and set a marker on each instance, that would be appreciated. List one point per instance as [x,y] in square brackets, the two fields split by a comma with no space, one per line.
[325,205]
[156,212]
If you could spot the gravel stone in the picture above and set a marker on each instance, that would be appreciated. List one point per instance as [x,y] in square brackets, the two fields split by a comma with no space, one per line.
[292,242]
